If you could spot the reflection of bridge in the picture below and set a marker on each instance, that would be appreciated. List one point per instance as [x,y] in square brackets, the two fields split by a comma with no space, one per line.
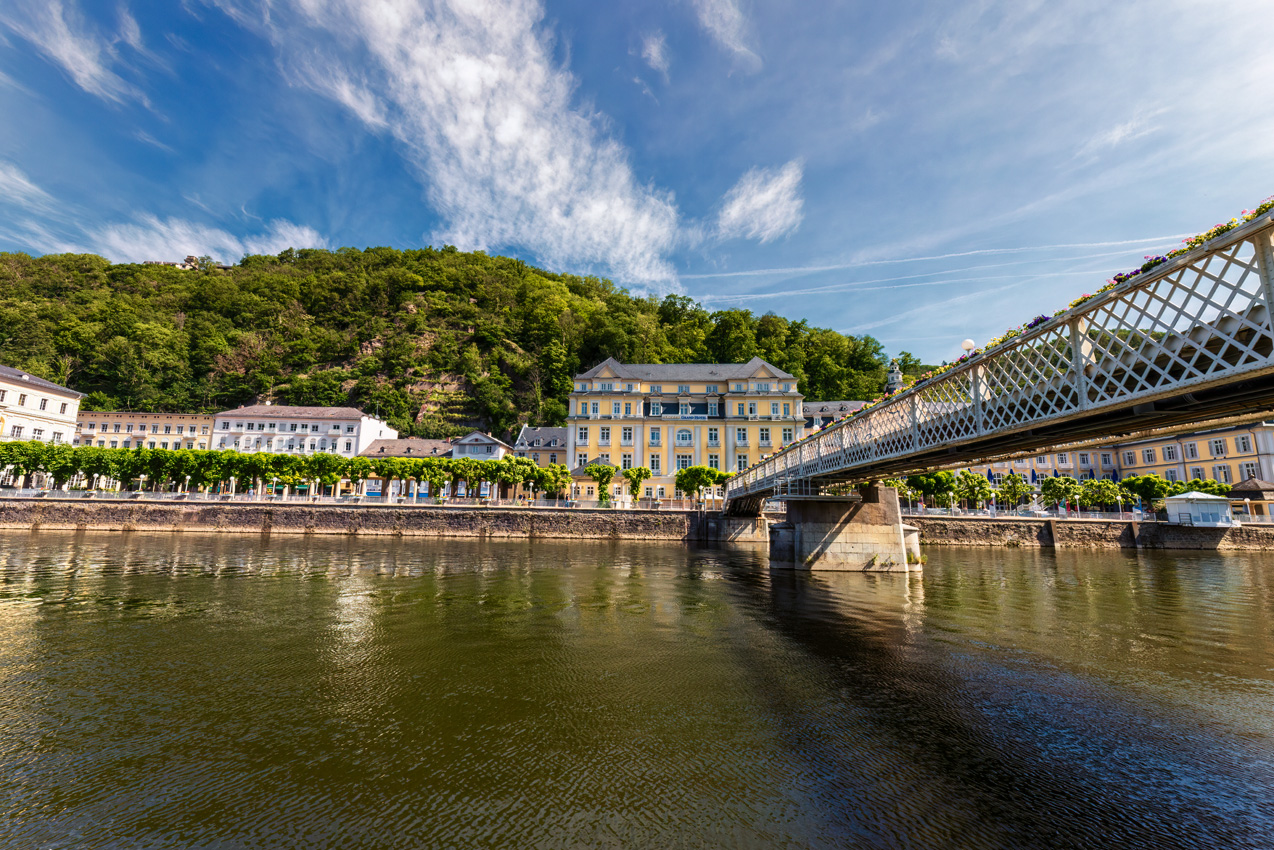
[1188,342]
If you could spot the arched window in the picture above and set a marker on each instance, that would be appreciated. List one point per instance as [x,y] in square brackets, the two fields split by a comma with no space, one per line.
[683,436]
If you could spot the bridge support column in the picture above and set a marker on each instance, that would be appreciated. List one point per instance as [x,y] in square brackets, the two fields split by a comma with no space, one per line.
[830,533]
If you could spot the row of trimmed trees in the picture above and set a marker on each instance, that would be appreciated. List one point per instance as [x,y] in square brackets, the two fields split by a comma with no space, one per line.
[942,489]
[165,469]
[692,480]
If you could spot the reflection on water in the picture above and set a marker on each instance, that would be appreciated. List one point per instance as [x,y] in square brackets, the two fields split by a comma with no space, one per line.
[174,691]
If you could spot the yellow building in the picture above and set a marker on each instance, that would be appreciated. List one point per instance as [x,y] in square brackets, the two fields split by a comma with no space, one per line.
[1228,455]
[544,445]
[123,430]
[674,415]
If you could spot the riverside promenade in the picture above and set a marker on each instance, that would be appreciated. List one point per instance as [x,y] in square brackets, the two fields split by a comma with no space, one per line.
[251,517]
[546,523]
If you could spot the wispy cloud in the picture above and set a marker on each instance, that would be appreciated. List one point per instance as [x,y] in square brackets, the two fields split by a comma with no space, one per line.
[1150,240]
[17,190]
[726,23]
[60,33]
[765,204]
[654,49]
[484,112]
[153,238]
[1115,136]
[38,220]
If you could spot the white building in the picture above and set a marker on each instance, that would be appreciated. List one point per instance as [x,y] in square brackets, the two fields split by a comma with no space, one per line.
[32,408]
[282,429]
[480,446]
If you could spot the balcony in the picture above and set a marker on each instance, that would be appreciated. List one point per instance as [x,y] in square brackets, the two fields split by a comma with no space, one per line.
[741,443]
[685,444]
[626,442]
[656,444]
[714,444]
[605,441]
[765,444]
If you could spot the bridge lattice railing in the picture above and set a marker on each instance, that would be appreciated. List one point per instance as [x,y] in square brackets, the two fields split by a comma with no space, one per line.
[1195,321]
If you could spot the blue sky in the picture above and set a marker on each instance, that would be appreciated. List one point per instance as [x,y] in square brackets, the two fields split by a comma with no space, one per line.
[920,171]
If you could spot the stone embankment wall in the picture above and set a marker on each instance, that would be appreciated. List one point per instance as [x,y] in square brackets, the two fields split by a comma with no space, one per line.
[1086,534]
[430,521]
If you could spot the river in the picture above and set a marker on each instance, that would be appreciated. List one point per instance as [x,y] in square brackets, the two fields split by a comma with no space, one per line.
[191,691]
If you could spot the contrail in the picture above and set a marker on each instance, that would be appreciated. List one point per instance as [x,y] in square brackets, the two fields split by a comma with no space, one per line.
[982,251]
[837,287]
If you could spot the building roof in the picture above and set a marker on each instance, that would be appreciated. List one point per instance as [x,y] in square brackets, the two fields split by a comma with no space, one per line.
[408,447]
[482,438]
[295,412]
[684,371]
[832,408]
[1252,485]
[549,437]
[21,377]
[1196,496]
[578,472]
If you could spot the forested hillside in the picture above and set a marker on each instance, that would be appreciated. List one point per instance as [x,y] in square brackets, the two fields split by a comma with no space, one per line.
[435,341]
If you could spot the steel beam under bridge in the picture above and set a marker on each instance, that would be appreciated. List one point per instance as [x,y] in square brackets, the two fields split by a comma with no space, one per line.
[1189,341]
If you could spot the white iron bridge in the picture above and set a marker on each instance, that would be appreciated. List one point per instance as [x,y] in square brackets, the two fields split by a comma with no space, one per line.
[1188,342]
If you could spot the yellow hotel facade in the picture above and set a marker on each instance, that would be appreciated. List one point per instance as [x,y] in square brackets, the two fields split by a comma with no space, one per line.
[1228,455]
[670,416]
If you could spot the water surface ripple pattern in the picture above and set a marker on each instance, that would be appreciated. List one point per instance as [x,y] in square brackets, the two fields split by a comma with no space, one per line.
[191,691]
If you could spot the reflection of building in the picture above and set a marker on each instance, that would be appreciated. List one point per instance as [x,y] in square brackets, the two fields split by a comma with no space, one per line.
[675,415]
[124,430]
[282,429]
[32,408]
[544,446]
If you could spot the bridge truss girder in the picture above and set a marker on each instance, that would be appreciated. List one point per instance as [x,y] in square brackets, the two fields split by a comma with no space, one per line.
[1190,341]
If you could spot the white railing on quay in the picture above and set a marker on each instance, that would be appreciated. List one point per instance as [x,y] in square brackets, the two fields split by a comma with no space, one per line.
[1200,320]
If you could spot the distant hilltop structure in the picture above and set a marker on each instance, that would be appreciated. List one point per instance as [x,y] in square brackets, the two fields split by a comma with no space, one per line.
[191,262]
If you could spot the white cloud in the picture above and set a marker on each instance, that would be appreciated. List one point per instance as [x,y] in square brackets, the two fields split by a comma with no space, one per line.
[765,204]
[17,189]
[129,32]
[472,92]
[61,35]
[654,49]
[725,22]
[1115,136]
[45,223]
[152,238]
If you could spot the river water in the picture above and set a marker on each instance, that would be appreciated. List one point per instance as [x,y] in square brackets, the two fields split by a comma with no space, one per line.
[187,691]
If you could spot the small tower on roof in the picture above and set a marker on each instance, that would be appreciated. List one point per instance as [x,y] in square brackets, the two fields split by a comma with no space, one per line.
[894,382]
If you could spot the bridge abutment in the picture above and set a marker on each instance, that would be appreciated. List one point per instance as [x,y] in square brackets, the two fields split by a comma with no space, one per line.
[845,533]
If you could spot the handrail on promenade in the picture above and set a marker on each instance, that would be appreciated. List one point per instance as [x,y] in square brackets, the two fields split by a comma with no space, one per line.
[1191,323]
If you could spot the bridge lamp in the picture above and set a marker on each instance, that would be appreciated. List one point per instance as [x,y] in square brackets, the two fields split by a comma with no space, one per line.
[968,345]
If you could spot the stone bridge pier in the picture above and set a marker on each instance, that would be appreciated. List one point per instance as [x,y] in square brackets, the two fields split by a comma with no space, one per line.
[851,533]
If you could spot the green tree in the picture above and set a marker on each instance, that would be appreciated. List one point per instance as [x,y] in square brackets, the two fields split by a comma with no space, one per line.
[636,476]
[555,479]
[693,479]
[358,470]
[973,489]
[602,473]
[1099,492]
[1013,489]
[1059,490]
[1150,488]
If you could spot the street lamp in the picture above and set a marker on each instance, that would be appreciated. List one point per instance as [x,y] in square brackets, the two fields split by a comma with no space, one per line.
[968,345]
[187,490]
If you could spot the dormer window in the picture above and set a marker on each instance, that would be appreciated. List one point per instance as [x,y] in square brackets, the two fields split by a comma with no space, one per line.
[606,386]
